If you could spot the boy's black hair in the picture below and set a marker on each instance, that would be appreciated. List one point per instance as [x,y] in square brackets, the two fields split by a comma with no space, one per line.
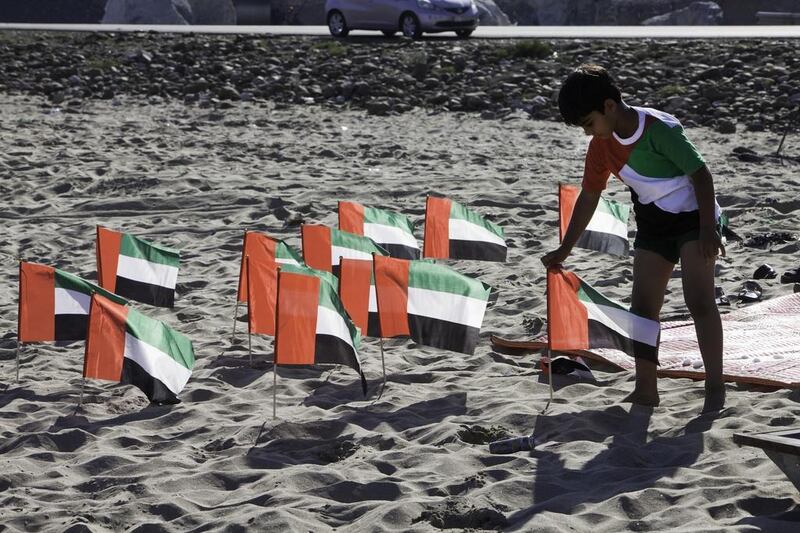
[585,90]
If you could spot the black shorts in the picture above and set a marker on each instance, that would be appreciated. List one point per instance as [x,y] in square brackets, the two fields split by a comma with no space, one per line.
[663,232]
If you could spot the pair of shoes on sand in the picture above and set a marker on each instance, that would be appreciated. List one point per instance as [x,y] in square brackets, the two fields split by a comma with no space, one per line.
[750,292]
[767,272]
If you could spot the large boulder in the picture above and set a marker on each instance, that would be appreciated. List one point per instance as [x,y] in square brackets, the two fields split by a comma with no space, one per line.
[490,14]
[148,12]
[586,12]
[696,13]
[212,12]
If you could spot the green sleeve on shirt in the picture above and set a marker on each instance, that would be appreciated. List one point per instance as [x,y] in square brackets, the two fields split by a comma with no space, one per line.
[673,144]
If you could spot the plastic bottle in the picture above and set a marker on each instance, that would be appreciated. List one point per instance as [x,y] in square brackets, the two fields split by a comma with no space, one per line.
[512,445]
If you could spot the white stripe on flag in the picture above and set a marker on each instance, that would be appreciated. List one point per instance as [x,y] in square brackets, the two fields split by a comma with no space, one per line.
[347,253]
[462,230]
[69,302]
[329,322]
[286,261]
[624,322]
[136,269]
[389,235]
[156,363]
[446,306]
[607,223]
[373,300]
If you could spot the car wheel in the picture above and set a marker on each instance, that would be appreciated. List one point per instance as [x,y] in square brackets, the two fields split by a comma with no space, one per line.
[337,24]
[388,33]
[464,33]
[409,25]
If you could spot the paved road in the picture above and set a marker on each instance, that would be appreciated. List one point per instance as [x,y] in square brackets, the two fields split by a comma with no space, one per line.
[485,32]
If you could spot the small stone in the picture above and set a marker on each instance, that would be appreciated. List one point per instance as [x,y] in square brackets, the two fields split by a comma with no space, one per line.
[726,126]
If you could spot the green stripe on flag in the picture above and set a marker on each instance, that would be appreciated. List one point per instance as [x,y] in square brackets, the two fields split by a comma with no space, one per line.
[329,299]
[284,251]
[63,280]
[135,247]
[587,294]
[332,280]
[460,212]
[387,218]
[355,242]
[425,274]
[615,209]
[160,336]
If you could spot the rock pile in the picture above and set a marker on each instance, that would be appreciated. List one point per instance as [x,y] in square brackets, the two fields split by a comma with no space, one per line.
[728,85]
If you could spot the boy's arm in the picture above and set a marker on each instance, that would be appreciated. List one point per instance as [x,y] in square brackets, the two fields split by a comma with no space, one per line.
[581,215]
[710,240]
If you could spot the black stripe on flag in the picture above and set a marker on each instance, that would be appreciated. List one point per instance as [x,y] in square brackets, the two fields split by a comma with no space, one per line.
[332,349]
[478,250]
[601,336]
[71,327]
[443,334]
[145,292]
[373,326]
[156,391]
[604,242]
[400,251]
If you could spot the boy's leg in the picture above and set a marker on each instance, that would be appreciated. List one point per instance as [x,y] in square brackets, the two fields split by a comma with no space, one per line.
[698,291]
[651,273]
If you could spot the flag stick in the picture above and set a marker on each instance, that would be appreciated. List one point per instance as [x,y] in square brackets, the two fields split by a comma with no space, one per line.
[383,366]
[274,390]
[80,400]
[19,345]
[235,316]
[549,356]
[250,346]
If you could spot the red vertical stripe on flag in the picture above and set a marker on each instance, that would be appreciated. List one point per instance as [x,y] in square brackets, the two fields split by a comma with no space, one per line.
[105,339]
[108,244]
[262,291]
[567,196]
[298,298]
[261,249]
[351,217]
[37,303]
[436,241]
[391,288]
[317,246]
[354,281]
[567,318]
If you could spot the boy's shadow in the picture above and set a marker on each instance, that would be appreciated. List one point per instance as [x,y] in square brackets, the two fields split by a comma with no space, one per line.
[628,464]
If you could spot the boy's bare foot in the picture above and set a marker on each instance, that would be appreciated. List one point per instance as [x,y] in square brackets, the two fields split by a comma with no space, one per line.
[715,398]
[649,399]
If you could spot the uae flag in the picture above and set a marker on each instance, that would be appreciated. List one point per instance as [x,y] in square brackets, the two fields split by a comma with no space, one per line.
[263,249]
[54,305]
[391,231]
[580,318]
[433,304]
[262,287]
[125,346]
[607,230]
[312,325]
[136,269]
[454,232]
[323,246]
[357,292]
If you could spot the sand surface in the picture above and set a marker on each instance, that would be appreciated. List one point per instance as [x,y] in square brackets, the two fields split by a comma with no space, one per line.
[415,459]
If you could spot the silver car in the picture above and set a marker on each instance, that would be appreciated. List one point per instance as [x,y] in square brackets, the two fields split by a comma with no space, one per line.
[411,17]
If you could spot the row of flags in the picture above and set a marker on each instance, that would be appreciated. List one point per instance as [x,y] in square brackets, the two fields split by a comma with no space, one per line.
[122,344]
[298,298]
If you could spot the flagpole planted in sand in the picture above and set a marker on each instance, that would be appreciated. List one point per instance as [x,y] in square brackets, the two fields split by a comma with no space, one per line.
[19,345]
[548,351]
[275,351]
[249,334]
[380,331]
[235,316]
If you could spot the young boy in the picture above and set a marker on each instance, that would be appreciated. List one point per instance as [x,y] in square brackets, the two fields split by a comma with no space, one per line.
[675,207]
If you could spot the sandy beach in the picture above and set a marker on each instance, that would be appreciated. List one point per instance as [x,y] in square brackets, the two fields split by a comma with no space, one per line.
[194,177]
